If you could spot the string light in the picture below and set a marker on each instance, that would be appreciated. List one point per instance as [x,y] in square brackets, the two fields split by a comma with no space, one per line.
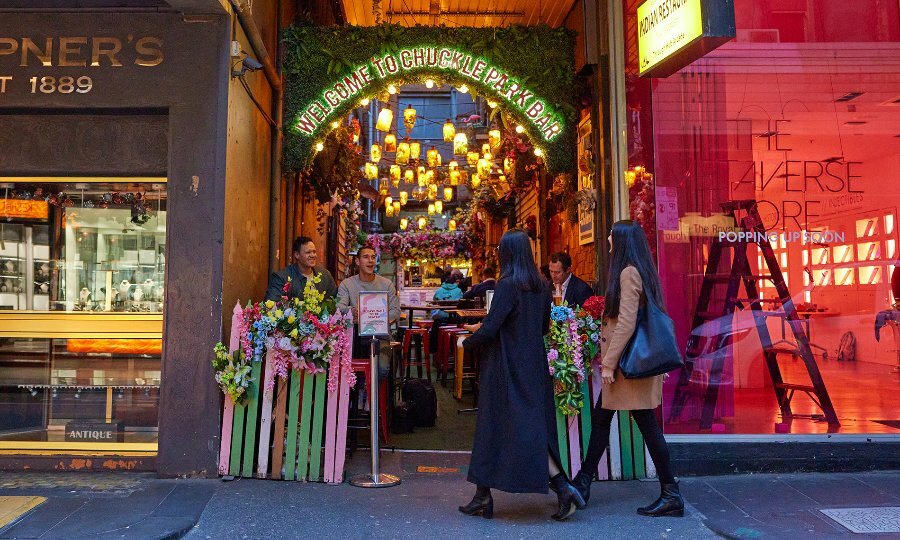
[520,129]
[319,147]
[492,104]
[429,83]
[364,102]
[392,89]
[335,124]
[463,89]
[538,152]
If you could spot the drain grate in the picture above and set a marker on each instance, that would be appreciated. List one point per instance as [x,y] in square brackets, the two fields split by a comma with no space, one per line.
[874,519]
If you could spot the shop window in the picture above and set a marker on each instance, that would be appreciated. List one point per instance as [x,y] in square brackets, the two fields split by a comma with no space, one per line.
[82,296]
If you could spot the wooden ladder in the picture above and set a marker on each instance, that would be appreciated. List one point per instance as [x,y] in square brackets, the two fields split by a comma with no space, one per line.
[713,331]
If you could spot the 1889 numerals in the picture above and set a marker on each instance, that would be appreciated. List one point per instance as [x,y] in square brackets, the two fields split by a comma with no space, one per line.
[61,85]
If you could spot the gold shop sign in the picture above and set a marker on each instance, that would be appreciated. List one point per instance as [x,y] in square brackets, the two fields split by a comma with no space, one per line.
[23,209]
[67,52]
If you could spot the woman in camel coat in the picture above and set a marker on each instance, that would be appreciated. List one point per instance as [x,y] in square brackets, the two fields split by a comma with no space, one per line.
[633,279]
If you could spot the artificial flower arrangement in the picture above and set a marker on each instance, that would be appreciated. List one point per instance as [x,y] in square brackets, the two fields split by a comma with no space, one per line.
[301,333]
[429,244]
[572,344]
[232,372]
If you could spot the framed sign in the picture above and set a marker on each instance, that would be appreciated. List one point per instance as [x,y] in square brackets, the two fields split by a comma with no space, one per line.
[373,314]
[674,33]
[586,191]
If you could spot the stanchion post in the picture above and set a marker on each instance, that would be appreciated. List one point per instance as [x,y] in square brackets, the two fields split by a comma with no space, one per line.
[375,479]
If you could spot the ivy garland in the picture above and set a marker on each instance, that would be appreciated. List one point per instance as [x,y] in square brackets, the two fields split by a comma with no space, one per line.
[540,57]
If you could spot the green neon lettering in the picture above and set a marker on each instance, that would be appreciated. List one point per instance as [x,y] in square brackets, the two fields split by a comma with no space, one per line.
[536,108]
[363,72]
[523,98]
[391,64]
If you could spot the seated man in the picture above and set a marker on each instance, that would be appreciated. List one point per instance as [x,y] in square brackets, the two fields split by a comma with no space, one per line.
[304,267]
[574,290]
[366,280]
[488,282]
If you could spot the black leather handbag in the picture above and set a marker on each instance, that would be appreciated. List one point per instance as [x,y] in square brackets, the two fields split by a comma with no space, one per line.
[652,349]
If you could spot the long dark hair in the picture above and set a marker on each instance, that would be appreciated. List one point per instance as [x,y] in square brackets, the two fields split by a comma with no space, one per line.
[517,261]
[630,248]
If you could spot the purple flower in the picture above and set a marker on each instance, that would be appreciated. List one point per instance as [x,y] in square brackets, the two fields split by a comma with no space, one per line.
[552,355]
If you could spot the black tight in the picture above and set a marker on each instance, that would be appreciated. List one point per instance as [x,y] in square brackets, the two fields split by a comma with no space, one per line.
[646,421]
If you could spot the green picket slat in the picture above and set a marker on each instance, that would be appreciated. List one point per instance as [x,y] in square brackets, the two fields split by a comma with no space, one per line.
[315,462]
[252,421]
[640,465]
[585,418]
[237,439]
[290,449]
[562,441]
[305,419]
[626,446]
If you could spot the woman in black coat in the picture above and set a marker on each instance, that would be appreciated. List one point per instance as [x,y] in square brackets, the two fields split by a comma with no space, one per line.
[516,423]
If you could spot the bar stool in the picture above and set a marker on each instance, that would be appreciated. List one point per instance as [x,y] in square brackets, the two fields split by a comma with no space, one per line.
[466,368]
[446,352]
[420,347]
[362,368]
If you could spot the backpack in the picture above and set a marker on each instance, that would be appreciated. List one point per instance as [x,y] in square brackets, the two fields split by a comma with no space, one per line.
[847,348]
[422,400]
[401,419]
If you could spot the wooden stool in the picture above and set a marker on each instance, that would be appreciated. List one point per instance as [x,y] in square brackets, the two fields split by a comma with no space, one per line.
[421,349]
[466,368]
[362,368]
[446,352]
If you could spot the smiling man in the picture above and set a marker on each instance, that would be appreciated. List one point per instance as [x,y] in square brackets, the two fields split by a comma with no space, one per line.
[305,266]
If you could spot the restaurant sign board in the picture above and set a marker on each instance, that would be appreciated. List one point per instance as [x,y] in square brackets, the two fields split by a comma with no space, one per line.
[674,33]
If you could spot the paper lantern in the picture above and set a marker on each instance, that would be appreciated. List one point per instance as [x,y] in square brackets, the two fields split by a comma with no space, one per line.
[476,181]
[385,119]
[485,148]
[375,153]
[439,159]
[415,150]
[484,167]
[449,131]
[409,176]
[448,194]
[494,138]
[432,191]
[388,211]
[388,202]
[402,157]
[432,157]
[508,165]
[431,209]
[472,158]
[460,144]
[429,177]
[455,177]
[383,187]
[420,176]
[439,206]
[396,205]
[395,175]
[404,197]
[422,222]
[409,118]
[404,223]
[451,225]
[371,171]
[390,143]
[488,156]
[453,165]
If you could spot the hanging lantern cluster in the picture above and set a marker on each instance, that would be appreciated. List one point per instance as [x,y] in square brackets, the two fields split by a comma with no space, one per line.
[371,171]
[409,118]
[460,144]
[402,157]
[432,157]
[385,119]
[375,153]
[390,143]
[449,131]
[395,175]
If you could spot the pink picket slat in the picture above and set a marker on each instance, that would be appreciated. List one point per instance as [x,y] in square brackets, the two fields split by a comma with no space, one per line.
[574,445]
[228,409]
[343,412]
[330,435]
[603,467]
[265,421]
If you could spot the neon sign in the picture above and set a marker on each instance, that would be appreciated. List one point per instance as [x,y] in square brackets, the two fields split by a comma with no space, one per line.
[542,116]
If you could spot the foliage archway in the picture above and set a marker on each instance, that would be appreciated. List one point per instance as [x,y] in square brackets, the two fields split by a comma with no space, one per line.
[537,62]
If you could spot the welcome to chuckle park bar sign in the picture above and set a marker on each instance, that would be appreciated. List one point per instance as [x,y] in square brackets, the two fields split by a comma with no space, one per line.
[354,86]
[674,33]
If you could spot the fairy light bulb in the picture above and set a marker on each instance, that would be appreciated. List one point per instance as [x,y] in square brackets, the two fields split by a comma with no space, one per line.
[319,147]
[364,102]
[429,83]
[463,89]
[538,152]
[335,124]
[520,129]
[392,89]
[492,104]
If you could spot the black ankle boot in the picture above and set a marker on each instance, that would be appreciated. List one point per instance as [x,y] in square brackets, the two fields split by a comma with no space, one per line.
[567,497]
[669,503]
[582,483]
[482,503]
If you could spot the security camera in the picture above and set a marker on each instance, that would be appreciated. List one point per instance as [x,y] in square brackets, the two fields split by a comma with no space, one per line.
[252,64]
[247,64]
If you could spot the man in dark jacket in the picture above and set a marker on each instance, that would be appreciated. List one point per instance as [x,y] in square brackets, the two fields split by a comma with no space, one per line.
[574,290]
[304,267]
[488,282]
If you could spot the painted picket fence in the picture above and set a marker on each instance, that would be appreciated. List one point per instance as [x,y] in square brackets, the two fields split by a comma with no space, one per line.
[627,457]
[286,429]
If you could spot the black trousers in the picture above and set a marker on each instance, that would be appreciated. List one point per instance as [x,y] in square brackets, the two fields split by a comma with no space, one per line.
[601,419]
